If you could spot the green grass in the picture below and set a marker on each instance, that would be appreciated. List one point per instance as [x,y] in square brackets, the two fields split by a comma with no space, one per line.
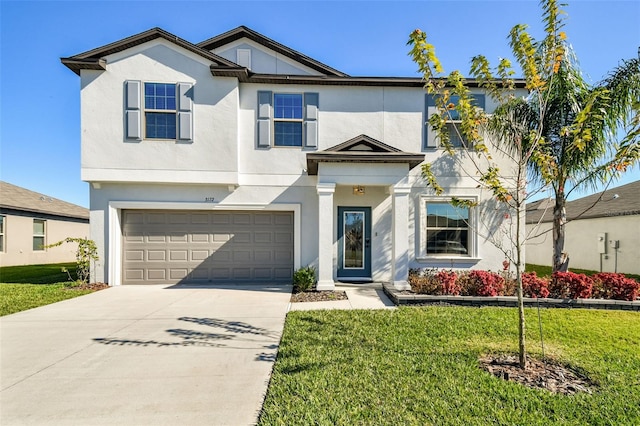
[545,271]
[419,366]
[35,285]
[20,297]
[37,274]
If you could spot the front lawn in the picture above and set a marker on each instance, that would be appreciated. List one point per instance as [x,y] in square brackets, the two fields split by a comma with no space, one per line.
[20,297]
[419,366]
[37,274]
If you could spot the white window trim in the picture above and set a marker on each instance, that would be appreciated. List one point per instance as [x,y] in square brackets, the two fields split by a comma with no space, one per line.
[473,235]
[44,235]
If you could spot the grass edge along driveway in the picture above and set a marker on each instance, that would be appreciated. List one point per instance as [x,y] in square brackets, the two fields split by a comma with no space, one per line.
[419,366]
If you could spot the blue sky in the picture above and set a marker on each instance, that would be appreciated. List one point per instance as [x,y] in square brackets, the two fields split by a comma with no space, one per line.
[40,98]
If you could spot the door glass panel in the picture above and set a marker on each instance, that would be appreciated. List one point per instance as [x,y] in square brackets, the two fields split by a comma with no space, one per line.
[353,240]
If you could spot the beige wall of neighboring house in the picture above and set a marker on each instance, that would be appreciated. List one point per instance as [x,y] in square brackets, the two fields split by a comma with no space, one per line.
[30,220]
[602,233]
[582,244]
[18,239]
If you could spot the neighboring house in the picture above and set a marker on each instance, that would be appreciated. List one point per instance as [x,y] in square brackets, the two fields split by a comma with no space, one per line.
[602,233]
[239,159]
[29,221]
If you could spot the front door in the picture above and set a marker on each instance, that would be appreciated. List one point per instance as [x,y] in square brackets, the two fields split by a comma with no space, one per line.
[354,243]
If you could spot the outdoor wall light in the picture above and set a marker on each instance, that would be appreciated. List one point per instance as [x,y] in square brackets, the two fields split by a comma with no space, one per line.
[358,190]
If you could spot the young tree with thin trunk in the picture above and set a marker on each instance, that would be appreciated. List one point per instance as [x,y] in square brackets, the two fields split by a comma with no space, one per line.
[555,136]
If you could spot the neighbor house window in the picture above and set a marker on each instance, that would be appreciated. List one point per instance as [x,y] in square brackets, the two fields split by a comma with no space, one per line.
[160,110]
[287,119]
[447,230]
[39,234]
[2,239]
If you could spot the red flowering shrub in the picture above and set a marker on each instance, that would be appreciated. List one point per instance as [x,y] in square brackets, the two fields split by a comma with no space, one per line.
[534,286]
[482,283]
[448,282]
[569,285]
[608,285]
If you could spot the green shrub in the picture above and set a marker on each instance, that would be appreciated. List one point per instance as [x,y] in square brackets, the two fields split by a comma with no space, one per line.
[304,279]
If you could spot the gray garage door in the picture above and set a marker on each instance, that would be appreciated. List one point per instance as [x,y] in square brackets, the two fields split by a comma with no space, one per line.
[170,247]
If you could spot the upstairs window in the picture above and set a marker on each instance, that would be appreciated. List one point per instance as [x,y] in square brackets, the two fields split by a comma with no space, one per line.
[455,135]
[39,234]
[287,119]
[160,110]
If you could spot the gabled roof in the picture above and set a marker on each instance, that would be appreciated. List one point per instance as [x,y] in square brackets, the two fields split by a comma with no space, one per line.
[93,59]
[361,149]
[17,198]
[620,201]
[245,32]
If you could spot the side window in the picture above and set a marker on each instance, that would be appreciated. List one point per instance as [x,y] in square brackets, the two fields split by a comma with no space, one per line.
[2,234]
[454,137]
[39,234]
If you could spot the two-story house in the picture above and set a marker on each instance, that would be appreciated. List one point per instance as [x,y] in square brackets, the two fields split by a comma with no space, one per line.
[239,159]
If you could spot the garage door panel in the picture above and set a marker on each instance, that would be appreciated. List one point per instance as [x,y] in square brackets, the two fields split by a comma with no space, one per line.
[156,274]
[156,255]
[167,247]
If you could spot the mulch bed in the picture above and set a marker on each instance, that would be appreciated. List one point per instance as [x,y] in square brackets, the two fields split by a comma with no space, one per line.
[547,375]
[318,296]
[91,286]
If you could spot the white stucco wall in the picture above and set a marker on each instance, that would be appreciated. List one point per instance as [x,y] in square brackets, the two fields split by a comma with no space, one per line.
[581,244]
[18,240]
[107,155]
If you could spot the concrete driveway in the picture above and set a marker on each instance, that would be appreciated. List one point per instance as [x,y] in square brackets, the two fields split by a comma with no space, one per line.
[142,355]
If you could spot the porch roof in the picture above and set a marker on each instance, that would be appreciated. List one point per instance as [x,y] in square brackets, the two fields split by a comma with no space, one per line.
[361,149]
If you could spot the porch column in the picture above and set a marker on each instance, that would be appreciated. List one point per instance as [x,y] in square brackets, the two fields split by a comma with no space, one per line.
[325,236]
[400,239]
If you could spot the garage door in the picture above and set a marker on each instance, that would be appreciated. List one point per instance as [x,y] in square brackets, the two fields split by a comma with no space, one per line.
[170,247]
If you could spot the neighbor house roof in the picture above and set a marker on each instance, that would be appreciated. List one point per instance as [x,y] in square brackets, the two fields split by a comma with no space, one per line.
[361,149]
[620,201]
[17,198]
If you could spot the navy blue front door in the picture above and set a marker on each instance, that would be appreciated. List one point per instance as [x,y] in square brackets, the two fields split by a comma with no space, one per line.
[354,242]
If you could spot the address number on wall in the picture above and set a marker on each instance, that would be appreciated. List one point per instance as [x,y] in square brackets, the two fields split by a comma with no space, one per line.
[209,199]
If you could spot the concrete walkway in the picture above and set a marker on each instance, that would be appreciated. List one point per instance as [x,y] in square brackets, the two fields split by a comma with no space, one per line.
[142,355]
[361,296]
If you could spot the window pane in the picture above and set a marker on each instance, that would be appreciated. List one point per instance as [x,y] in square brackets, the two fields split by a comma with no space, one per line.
[160,125]
[38,227]
[38,243]
[447,229]
[1,224]
[454,138]
[1,242]
[160,96]
[288,133]
[288,106]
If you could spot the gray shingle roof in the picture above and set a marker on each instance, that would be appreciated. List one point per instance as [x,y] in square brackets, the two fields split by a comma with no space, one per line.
[620,201]
[18,198]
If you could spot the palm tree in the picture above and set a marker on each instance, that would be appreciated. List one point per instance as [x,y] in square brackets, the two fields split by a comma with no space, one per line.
[579,125]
